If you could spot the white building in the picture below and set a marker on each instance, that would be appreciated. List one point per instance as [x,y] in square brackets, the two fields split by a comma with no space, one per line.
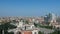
[25,28]
[53,18]
[20,24]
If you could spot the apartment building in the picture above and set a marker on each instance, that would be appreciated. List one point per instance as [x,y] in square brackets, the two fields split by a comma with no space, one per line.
[25,29]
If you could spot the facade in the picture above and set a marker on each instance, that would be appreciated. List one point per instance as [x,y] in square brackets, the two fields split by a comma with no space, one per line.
[29,32]
[25,29]
[53,18]
[26,32]
[17,31]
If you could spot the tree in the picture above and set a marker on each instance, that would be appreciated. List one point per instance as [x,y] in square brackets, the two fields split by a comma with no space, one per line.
[5,27]
[26,22]
[35,24]
[56,32]
[40,32]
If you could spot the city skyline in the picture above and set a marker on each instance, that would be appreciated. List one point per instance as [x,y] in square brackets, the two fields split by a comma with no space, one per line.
[29,7]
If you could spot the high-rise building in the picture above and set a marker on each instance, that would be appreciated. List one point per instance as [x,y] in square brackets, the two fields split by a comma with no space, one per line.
[50,18]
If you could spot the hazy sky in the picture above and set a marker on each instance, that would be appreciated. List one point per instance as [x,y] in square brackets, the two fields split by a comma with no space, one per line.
[29,7]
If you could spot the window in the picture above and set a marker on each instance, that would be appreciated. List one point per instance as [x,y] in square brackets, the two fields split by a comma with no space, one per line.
[35,33]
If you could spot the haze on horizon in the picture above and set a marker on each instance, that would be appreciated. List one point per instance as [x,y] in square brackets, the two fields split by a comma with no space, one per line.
[29,7]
